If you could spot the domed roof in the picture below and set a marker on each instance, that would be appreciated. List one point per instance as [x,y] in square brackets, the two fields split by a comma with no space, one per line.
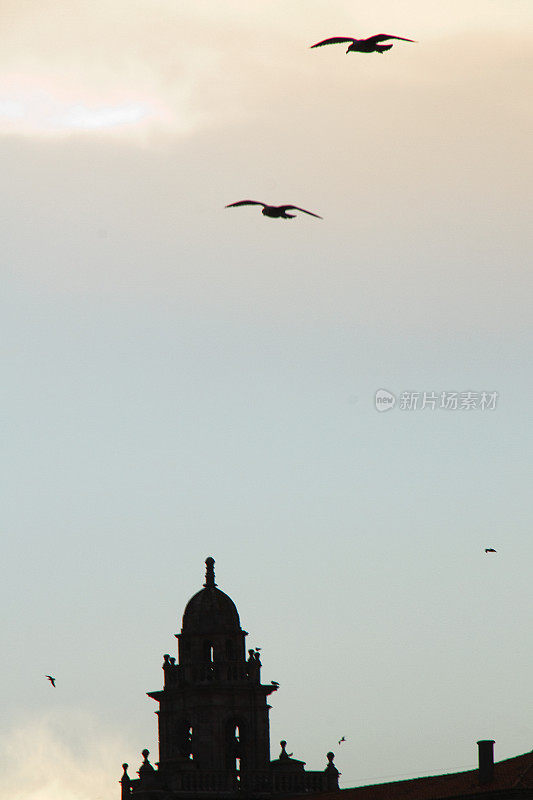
[210,610]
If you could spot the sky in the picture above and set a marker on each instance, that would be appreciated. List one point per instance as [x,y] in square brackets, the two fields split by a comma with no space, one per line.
[183,380]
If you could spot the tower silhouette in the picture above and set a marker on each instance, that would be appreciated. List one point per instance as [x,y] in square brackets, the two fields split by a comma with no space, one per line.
[213,716]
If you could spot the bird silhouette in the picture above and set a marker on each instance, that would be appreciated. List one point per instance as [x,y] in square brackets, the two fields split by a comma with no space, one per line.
[52,680]
[342,739]
[490,550]
[370,45]
[273,211]
[274,683]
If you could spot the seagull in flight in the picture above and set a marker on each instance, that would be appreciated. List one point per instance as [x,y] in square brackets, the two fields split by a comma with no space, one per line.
[273,211]
[52,680]
[490,550]
[370,45]
[342,739]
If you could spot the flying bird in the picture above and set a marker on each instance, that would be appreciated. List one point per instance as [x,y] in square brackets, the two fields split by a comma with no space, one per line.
[370,45]
[490,550]
[342,739]
[52,680]
[273,211]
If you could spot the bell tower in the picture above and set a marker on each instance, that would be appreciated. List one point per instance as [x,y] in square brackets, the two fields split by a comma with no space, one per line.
[213,715]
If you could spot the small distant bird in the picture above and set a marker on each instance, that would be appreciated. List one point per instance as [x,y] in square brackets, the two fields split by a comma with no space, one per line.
[273,211]
[342,739]
[370,45]
[52,680]
[490,550]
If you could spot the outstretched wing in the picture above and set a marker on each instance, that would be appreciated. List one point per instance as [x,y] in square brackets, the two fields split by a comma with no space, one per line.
[333,40]
[382,37]
[297,208]
[245,203]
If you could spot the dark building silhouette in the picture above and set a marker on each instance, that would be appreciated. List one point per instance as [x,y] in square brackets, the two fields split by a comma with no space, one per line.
[511,779]
[213,717]
[214,731]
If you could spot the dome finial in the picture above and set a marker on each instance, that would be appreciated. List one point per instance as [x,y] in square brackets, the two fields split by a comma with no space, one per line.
[209,573]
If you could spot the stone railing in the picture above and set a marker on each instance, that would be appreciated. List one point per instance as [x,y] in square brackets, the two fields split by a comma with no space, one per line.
[257,783]
[208,673]
[299,782]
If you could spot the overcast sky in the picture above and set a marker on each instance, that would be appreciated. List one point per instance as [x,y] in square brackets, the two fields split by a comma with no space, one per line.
[183,380]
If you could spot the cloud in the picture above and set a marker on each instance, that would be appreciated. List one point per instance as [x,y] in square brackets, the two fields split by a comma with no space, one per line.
[415,160]
[196,65]
[107,117]
[32,104]
[65,755]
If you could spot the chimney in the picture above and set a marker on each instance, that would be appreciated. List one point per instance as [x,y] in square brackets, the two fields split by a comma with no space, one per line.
[486,760]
